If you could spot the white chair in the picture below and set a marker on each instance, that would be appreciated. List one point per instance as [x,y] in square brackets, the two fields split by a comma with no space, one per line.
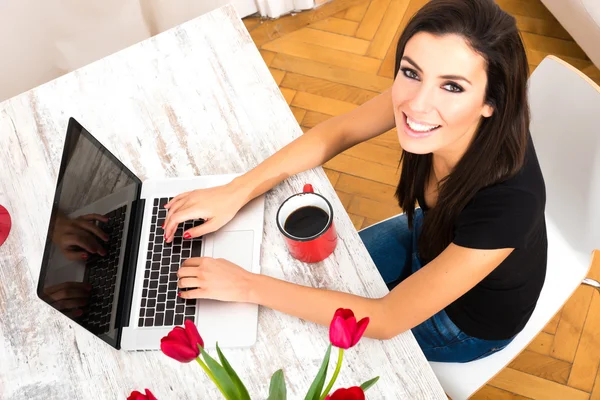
[565,126]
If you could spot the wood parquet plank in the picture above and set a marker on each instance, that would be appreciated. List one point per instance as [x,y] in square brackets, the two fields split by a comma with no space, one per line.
[526,8]
[571,323]
[313,118]
[273,29]
[368,189]
[492,393]
[336,25]
[356,13]
[332,73]
[372,209]
[325,88]
[268,56]
[532,386]
[553,324]
[328,40]
[596,391]
[345,199]
[377,154]
[587,357]
[542,366]
[290,46]
[542,343]
[277,75]
[357,220]
[389,26]
[299,113]
[321,104]
[288,94]
[555,46]
[542,27]
[387,67]
[372,19]
[333,176]
[364,169]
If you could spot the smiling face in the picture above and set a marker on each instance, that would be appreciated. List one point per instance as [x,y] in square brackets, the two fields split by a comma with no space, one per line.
[439,95]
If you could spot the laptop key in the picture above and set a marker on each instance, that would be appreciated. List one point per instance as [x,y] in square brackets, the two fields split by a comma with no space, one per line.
[179,320]
[169,317]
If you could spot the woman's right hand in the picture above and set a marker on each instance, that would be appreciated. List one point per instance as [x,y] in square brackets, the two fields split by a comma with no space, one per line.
[216,206]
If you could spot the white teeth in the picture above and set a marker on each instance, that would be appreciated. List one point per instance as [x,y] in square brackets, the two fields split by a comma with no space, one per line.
[415,126]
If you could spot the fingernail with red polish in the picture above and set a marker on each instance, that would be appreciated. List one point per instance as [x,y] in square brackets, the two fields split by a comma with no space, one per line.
[187,235]
[163,226]
[84,256]
[178,294]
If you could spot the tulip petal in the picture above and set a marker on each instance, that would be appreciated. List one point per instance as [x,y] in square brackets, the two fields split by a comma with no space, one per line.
[193,335]
[350,324]
[150,395]
[135,395]
[178,334]
[178,351]
[339,335]
[344,313]
[353,393]
[360,329]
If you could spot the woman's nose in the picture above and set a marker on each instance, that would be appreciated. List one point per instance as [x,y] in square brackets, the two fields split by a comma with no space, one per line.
[422,100]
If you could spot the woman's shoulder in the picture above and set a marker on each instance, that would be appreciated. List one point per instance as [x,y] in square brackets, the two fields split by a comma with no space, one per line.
[527,183]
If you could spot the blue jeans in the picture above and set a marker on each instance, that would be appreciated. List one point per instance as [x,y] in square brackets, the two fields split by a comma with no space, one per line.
[393,248]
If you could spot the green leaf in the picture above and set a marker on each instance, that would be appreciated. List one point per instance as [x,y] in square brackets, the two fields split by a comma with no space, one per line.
[314,392]
[221,376]
[369,383]
[241,389]
[277,389]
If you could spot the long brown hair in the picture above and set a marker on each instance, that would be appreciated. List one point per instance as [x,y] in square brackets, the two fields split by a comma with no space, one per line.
[497,151]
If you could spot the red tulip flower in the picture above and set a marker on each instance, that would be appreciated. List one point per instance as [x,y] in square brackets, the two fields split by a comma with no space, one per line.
[135,395]
[353,393]
[344,331]
[181,344]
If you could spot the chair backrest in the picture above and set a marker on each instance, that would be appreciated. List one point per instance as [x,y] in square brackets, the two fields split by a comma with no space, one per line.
[565,126]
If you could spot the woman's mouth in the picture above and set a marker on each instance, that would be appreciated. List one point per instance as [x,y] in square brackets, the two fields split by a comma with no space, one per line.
[417,129]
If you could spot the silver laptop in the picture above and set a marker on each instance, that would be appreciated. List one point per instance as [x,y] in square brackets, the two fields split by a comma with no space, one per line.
[124,289]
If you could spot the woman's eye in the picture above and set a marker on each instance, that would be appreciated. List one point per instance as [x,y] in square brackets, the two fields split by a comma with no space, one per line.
[452,87]
[409,73]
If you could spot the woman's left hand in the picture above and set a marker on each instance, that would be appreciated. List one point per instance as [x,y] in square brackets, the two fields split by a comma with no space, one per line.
[214,278]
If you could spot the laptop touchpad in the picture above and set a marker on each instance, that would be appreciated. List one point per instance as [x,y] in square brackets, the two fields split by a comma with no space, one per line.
[235,246]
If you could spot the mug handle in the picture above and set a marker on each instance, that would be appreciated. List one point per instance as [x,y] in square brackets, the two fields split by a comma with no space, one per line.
[308,188]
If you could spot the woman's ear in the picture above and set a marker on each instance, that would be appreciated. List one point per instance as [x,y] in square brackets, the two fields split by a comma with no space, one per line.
[487,111]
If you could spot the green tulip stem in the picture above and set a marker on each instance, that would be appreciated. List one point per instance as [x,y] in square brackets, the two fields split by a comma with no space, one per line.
[335,373]
[211,376]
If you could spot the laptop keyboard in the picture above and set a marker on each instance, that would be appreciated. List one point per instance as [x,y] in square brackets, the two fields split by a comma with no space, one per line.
[160,304]
[101,273]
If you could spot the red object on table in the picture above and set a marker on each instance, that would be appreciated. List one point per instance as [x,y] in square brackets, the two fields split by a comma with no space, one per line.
[5,224]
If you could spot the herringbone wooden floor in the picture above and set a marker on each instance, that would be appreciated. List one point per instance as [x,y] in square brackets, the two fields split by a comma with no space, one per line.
[330,60]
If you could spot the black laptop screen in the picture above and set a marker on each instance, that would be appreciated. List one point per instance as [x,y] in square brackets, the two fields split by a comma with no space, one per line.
[83,265]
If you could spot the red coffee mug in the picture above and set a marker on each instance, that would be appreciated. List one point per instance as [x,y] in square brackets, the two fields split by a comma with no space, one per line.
[313,248]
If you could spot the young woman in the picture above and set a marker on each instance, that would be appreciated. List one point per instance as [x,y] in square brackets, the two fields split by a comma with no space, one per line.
[466,268]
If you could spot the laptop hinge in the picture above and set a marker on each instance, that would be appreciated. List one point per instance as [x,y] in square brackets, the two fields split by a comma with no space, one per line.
[130,260]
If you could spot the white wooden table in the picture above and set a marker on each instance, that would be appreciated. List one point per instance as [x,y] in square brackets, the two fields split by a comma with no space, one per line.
[197,99]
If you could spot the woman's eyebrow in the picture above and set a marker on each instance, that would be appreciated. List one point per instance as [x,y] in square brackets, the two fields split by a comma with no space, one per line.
[453,77]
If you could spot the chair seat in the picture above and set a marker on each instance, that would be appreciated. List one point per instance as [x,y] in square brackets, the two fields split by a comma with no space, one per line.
[565,270]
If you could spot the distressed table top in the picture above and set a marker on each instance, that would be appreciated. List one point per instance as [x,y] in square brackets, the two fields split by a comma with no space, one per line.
[197,99]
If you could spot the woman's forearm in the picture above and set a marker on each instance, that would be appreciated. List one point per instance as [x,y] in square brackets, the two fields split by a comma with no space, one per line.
[317,305]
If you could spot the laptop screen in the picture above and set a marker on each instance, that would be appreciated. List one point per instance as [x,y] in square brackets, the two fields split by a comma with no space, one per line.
[83,265]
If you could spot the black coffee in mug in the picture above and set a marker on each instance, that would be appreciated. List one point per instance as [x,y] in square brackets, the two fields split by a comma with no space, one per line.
[306,222]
